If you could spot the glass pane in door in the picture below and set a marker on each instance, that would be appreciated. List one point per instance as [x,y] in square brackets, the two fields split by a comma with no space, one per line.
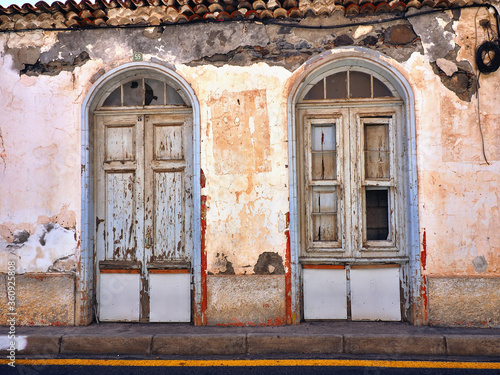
[323,152]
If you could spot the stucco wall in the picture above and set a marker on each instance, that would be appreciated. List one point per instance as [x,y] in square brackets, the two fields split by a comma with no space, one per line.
[241,75]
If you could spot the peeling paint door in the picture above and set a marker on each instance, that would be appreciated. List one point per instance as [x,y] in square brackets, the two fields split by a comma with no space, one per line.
[144,215]
[351,185]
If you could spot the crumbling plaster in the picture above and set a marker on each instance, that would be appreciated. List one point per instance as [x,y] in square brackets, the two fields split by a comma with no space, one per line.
[244,157]
[457,188]
[240,72]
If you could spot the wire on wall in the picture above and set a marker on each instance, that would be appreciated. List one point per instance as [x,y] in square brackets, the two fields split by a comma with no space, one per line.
[485,64]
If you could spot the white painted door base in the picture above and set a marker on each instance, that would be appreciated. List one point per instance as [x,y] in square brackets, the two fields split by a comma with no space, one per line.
[170,296]
[374,294]
[325,294]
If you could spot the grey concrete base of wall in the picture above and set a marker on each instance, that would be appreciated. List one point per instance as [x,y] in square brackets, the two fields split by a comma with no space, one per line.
[460,301]
[237,300]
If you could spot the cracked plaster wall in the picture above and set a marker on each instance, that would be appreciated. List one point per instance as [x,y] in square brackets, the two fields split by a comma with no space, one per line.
[458,197]
[241,74]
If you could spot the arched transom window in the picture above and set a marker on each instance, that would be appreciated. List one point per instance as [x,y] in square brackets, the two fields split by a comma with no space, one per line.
[349,84]
[139,92]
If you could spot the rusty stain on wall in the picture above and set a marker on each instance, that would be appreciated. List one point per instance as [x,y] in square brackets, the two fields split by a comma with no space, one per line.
[423,251]
[3,154]
[241,132]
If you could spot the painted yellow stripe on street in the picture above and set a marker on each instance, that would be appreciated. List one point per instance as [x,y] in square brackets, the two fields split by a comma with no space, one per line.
[254,363]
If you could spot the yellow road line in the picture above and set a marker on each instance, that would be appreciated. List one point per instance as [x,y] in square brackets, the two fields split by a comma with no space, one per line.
[261,362]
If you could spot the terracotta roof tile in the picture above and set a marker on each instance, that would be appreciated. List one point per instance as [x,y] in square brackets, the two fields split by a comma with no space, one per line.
[216,7]
[367,8]
[294,13]
[259,4]
[383,8]
[280,13]
[398,6]
[251,15]
[352,10]
[86,13]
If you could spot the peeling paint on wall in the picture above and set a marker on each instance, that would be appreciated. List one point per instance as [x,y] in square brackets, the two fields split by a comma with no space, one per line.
[54,67]
[269,264]
[241,74]
[51,248]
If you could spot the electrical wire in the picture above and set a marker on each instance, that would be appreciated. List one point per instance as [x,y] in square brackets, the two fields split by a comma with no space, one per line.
[479,120]
[483,148]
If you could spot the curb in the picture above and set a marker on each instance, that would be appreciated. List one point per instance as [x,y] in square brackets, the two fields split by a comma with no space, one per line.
[261,343]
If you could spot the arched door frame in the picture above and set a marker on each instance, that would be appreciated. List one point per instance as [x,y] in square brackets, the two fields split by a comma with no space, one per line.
[311,70]
[85,279]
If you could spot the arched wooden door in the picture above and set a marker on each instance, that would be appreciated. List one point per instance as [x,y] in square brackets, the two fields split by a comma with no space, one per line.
[143,202]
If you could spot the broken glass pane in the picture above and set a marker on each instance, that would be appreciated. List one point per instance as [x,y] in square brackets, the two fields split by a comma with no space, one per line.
[360,85]
[317,92]
[377,214]
[154,92]
[114,99]
[132,93]
[336,86]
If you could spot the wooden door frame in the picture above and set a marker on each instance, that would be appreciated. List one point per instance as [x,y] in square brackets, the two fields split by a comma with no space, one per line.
[301,81]
[85,284]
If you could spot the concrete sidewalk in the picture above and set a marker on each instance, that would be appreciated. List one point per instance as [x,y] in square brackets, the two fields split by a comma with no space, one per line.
[307,338]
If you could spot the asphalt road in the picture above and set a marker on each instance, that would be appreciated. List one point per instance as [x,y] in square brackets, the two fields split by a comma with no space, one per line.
[244,367]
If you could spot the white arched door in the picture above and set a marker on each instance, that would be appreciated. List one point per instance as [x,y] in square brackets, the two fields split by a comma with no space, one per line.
[351,186]
[143,202]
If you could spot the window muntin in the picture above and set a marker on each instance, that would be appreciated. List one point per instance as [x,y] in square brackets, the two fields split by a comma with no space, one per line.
[139,92]
[348,85]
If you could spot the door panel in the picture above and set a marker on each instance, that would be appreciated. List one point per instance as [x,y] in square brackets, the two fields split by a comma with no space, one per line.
[169,178]
[168,143]
[119,296]
[325,293]
[120,143]
[375,294]
[168,216]
[162,308]
[120,216]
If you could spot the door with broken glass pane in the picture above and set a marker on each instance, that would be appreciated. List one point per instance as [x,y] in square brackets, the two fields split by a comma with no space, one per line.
[144,208]
[351,201]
